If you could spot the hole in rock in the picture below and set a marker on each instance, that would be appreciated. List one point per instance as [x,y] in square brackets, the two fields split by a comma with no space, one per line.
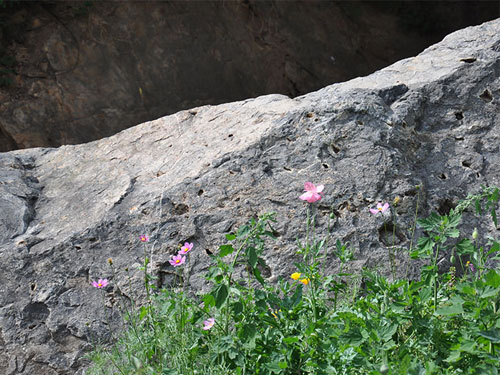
[466,163]
[287,169]
[200,192]
[468,60]
[390,235]
[459,115]
[445,206]
[442,176]
[326,166]
[486,96]
[180,209]
[334,148]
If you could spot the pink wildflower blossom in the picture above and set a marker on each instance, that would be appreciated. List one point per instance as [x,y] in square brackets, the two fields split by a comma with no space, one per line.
[144,238]
[209,323]
[313,193]
[186,248]
[380,208]
[177,260]
[101,283]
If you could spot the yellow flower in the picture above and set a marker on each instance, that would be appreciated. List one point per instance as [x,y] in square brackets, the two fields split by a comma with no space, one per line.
[295,275]
[304,281]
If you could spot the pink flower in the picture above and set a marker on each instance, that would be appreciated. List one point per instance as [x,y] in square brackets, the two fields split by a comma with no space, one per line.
[380,208]
[186,248]
[313,193]
[177,260]
[101,283]
[144,238]
[209,323]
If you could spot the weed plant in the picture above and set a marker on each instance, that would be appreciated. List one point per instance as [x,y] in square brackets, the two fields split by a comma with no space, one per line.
[312,323]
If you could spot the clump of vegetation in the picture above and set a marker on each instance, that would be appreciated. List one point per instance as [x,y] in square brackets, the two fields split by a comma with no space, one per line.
[312,323]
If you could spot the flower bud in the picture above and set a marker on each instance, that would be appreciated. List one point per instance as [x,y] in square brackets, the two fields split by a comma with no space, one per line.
[474,234]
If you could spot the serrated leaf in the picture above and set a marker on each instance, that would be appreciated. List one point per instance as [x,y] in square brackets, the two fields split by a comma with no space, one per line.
[454,220]
[453,233]
[425,245]
[465,246]
[478,206]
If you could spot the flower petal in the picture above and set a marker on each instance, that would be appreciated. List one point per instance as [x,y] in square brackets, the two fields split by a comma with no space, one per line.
[309,186]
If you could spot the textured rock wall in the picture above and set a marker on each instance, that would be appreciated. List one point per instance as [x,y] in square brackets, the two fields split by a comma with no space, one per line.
[432,120]
[86,70]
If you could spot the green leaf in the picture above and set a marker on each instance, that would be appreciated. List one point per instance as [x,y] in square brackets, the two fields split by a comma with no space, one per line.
[453,233]
[291,340]
[143,313]
[225,250]
[430,223]
[492,279]
[252,256]
[454,220]
[494,216]
[274,367]
[220,294]
[494,248]
[478,206]
[282,365]
[247,336]
[425,245]
[137,363]
[297,296]
[387,331]
[237,308]
[492,334]
[465,246]
[453,309]
[208,300]
[230,237]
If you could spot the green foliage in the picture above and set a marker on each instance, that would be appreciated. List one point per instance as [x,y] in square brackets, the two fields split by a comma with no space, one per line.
[322,324]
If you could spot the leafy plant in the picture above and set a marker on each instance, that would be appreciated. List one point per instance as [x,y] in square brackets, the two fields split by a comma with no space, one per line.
[438,324]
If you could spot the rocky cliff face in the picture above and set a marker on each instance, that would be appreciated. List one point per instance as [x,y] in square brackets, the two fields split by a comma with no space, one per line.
[81,71]
[432,121]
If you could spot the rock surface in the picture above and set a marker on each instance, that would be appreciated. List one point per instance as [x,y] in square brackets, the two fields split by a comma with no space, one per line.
[86,70]
[432,120]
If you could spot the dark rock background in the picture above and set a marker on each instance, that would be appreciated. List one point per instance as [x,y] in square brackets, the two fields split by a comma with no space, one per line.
[431,121]
[72,72]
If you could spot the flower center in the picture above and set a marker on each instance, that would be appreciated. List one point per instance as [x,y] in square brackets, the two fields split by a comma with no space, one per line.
[177,261]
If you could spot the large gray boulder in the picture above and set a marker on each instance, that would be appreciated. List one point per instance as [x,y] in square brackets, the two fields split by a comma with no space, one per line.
[432,121]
